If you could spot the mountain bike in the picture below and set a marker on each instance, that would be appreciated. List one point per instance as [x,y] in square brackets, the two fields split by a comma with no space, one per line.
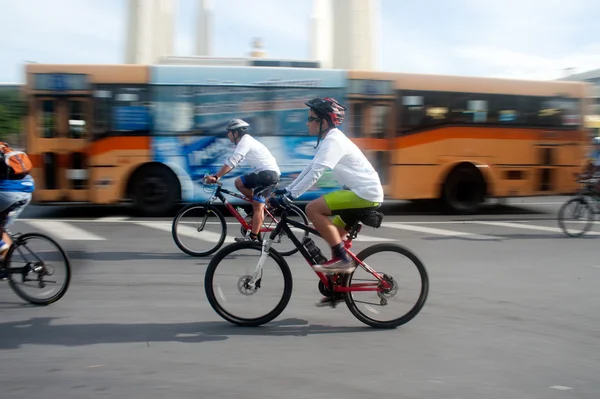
[34,273]
[385,285]
[192,221]
[583,207]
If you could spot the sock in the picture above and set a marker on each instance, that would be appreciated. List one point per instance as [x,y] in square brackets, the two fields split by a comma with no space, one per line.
[253,236]
[340,251]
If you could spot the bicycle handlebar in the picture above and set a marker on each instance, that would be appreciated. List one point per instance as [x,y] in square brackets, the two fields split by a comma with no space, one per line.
[218,183]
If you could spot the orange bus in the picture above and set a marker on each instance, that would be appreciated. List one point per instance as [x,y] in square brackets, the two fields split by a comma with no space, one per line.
[465,139]
[146,134]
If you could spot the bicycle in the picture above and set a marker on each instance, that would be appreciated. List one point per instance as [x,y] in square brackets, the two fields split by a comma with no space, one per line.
[206,209]
[385,285]
[587,200]
[33,264]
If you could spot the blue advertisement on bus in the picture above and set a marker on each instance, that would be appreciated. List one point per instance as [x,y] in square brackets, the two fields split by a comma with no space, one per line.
[192,105]
[191,157]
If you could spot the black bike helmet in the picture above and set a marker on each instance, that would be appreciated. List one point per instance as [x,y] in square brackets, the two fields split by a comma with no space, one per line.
[327,108]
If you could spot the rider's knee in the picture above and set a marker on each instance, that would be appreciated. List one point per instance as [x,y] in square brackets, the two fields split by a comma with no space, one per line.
[311,208]
[258,203]
[238,183]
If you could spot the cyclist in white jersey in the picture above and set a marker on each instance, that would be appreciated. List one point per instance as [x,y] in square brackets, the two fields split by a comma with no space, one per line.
[362,186]
[266,171]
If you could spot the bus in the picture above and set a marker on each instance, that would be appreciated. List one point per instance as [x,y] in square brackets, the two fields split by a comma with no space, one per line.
[147,134]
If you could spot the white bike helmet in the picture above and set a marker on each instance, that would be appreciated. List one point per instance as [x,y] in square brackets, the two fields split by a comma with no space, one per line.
[237,125]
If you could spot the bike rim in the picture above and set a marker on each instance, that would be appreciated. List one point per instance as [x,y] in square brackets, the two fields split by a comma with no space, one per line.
[408,290]
[199,230]
[44,270]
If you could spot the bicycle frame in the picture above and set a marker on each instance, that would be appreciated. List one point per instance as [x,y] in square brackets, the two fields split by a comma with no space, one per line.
[18,244]
[284,225]
[219,194]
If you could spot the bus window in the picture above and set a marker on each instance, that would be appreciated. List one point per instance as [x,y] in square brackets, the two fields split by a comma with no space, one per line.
[379,120]
[78,127]
[121,110]
[48,120]
[422,110]
[356,128]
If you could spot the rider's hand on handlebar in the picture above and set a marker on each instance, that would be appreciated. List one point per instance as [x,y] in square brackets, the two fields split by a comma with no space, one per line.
[210,179]
[281,198]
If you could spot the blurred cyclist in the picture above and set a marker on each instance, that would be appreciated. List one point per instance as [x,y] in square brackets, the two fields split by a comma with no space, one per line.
[266,172]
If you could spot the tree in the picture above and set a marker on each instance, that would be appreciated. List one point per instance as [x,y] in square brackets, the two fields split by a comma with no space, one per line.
[12,111]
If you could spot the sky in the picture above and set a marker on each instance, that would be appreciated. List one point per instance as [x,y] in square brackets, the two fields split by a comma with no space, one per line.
[523,39]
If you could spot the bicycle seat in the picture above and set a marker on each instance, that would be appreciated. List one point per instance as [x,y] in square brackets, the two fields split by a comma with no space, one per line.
[371,217]
[14,206]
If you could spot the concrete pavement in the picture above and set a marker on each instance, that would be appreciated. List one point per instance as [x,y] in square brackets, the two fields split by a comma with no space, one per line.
[512,312]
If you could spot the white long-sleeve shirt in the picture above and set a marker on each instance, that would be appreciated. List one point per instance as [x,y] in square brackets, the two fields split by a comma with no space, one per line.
[350,168]
[256,153]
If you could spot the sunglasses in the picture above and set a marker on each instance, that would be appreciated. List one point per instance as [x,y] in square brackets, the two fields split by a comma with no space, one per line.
[312,119]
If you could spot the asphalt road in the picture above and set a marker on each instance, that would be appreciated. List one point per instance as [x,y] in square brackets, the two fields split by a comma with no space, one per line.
[512,312]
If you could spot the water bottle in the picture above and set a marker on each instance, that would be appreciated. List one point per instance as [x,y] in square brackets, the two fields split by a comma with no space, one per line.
[242,212]
[314,251]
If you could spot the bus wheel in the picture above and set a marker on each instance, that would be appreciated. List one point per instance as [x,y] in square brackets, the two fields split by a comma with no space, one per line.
[464,190]
[154,190]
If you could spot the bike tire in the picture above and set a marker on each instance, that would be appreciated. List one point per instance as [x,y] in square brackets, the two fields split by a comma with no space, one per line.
[209,208]
[23,295]
[587,226]
[389,247]
[240,321]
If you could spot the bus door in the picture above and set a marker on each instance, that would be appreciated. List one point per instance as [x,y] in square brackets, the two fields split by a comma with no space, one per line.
[61,138]
[371,127]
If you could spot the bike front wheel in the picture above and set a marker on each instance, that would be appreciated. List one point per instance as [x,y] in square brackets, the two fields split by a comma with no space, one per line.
[576,216]
[405,265]
[39,270]
[199,229]
[228,290]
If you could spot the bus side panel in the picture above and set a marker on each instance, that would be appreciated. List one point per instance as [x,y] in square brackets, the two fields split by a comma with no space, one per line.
[112,160]
[515,160]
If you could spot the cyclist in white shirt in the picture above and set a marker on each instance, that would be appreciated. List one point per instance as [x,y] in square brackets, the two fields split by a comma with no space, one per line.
[593,167]
[252,185]
[362,186]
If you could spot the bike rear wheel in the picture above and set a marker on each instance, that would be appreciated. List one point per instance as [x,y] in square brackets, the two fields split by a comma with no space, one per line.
[396,255]
[199,229]
[22,261]
[233,255]
[582,210]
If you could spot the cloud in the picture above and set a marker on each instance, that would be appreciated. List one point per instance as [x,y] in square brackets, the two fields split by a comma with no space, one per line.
[533,39]
[523,39]
[513,64]
[59,31]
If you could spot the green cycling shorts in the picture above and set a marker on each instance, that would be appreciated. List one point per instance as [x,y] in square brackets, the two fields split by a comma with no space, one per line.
[346,206]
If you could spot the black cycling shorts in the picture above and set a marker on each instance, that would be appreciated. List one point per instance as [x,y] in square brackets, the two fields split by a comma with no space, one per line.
[259,181]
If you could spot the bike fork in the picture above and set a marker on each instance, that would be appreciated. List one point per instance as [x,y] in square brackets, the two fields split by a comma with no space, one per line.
[264,253]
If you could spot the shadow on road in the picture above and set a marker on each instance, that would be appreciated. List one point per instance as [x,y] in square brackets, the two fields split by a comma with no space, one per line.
[40,331]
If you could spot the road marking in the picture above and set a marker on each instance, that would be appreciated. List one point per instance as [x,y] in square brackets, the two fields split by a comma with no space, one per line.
[560,388]
[366,238]
[185,231]
[65,231]
[441,232]
[111,219]
[529,227]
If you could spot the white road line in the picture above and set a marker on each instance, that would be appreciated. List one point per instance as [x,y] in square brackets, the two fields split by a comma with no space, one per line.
[561,388]
[366,238]
[442,232]
[112,219]
[65,231]
[185,231]
[529,227]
